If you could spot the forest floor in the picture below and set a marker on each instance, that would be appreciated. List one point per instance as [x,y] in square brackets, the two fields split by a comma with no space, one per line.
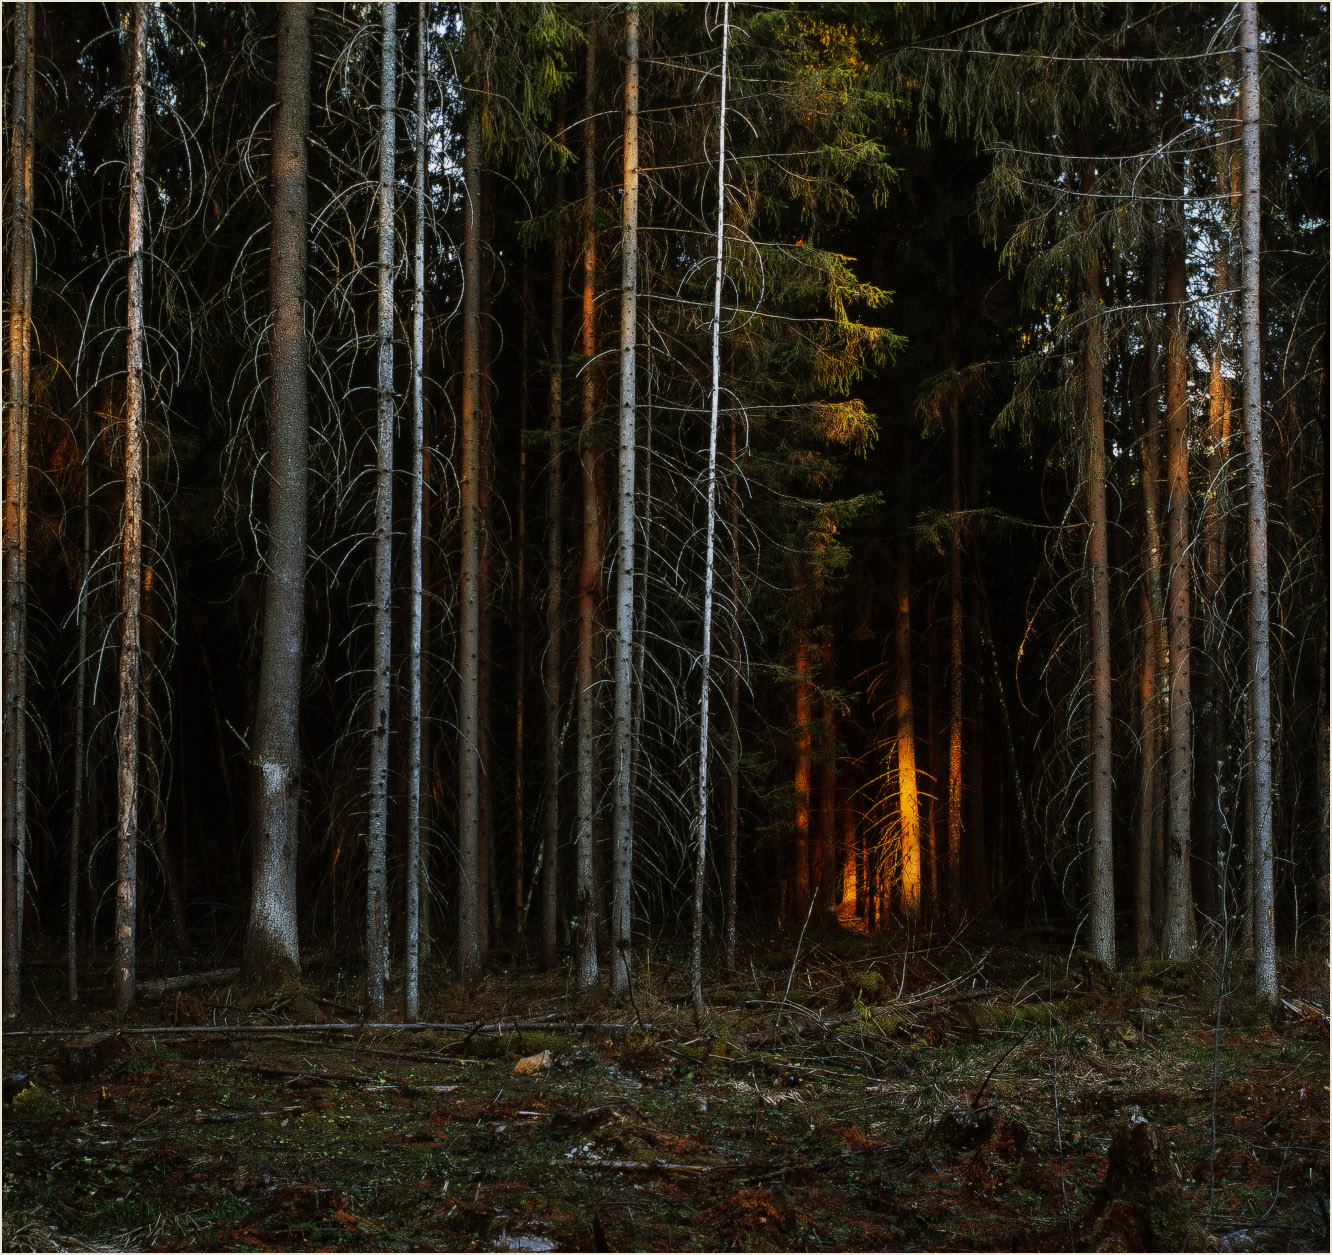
[861,1094]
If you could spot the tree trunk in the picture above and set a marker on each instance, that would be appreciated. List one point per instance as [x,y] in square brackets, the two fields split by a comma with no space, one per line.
[554,605]
[272,946]
[908,797]
[1179,932]
[469,616]
[589,574]
[803,748]
[709,560]
[15,785]
[1260,699]
[733,698]
[131,550]
[955,680]
[376,879]
[520,624]
[416,530]
[828,888]
[1211,674]
[622,750]
[1101,868]
[78,818]
[487,871]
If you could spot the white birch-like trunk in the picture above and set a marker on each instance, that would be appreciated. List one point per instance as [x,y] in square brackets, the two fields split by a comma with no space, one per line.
[15,788]
[709,560]
[131,559]
[376,880]
[622,829]
[1260,695]
[417,529]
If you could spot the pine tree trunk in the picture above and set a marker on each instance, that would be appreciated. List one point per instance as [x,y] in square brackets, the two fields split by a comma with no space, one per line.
[78,816]
[955,653]
[1144,930]
[589,574]
[554,603]
[1211,676]
[828,888]
[622,744]
[1101,869]
[1260,700]
[733,699]
[376,880]
[709,560]
[469,611]
[803,745]
[131,548]
[18,395]
[272,947]
[1179,932]
[908,796]
[416,529]
[487,871]
[520,625]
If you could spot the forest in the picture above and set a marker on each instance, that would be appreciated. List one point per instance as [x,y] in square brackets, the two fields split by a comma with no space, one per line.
[666,538]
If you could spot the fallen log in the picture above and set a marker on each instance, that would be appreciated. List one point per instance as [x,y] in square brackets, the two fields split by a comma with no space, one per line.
[190,980]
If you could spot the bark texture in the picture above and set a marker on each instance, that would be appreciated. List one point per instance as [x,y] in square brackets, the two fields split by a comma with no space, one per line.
[272,948]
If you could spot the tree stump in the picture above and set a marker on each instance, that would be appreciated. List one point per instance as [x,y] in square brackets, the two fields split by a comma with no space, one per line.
[1140,1205]
[88,1054]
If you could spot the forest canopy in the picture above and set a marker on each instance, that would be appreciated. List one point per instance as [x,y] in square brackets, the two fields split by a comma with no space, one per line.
[494,484]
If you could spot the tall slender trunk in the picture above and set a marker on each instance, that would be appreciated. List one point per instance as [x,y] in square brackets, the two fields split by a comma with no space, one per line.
[520,624]
[1101,869]
[622,749]
[803,746]
[376,878]
[828,888]
[733,700]
[1211,674]
[1152,783]
[589,574]
[78,817]
[908,796]
[272,946]
[131,543]
[1179,932]
[554,602]
[469,614]
[1260,697]
[416,530]
[955,681]
[709,559]
[487,871]
[15,785]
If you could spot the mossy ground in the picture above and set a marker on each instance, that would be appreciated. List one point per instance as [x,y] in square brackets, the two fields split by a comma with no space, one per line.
[813,1121]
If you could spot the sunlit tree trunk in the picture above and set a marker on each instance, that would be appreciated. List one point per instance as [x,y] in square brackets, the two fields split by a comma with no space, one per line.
[554,600]
[1260,699]
[18,398]
[376,880]
[589,574]
[1179,932]
[1100,871]
[470,904]
[908,796]
[131,542]
[955,681]
[622,748]
[272,947]
[416,533]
